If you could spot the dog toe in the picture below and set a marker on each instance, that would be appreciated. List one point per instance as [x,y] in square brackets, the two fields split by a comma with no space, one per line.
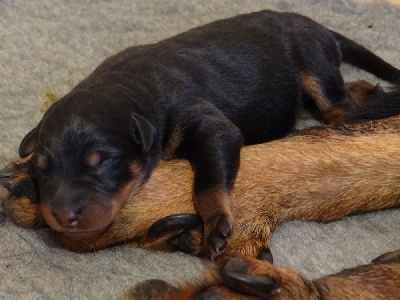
[217,238]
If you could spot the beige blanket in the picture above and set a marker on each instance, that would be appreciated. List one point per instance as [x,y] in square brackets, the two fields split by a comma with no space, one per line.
[47,46]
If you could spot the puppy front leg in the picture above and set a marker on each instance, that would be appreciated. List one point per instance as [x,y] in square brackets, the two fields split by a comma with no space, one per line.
[215,154]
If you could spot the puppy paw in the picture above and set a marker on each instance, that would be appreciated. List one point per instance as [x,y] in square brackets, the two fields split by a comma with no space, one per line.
[217,232]
[21,199]
[185,233]
[18,180]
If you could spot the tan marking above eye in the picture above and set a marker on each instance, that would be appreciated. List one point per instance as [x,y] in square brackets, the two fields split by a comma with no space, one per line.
[41,162]
[93,159]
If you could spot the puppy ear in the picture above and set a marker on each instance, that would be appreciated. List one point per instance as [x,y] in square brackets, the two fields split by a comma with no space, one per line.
[144,133]
[28,143]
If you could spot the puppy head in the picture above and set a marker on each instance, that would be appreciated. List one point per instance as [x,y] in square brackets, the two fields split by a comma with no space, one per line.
[90,153]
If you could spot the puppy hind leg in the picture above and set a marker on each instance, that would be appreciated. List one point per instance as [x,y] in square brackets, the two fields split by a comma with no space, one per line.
[329,93]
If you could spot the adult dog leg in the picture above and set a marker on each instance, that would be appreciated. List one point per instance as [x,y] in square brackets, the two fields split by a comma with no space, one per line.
[249,278]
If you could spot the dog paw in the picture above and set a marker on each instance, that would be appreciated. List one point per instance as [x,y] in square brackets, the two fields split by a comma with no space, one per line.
[185,233]
[21,197]
[18,180]
[235,278]
[217,232]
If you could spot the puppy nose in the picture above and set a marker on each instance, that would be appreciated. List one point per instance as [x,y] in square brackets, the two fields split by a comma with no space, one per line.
[67,219]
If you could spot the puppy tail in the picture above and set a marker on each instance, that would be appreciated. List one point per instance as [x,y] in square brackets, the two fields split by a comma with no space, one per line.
[360,57]
[381,105]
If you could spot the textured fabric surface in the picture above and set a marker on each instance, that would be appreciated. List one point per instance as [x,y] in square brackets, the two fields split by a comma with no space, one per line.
[46,47]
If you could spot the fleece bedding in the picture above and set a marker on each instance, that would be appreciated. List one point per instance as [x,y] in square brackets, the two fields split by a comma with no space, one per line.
[47,46]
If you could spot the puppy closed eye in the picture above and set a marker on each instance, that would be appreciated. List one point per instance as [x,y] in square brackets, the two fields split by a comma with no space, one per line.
[96,158]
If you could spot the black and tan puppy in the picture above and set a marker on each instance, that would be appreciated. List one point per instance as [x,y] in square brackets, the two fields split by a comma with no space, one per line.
[199,95]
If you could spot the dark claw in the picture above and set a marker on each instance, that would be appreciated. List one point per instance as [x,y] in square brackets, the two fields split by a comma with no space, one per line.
[174,222]
[265,255]
[389,257]
[245,282]
[8,174]
[6,177]
[235,274]
[150,289]
[185,243]
[25,187]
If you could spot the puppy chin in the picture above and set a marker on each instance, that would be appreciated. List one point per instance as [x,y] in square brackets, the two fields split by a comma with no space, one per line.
[84,234]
